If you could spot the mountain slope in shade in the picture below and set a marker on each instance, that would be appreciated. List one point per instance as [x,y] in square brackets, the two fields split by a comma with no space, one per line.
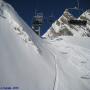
[61,27]
[28,62]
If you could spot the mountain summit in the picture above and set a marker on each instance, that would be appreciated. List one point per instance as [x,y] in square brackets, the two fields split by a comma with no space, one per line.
[61,27]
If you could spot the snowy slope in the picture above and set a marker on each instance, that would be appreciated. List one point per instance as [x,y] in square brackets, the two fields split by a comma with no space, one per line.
[31,63]
[61,27]
[73,62]
[21,65]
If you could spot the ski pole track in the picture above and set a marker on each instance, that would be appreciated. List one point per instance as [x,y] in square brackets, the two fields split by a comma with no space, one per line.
[55,85]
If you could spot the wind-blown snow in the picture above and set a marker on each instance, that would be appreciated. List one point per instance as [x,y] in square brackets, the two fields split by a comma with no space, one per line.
[31,63]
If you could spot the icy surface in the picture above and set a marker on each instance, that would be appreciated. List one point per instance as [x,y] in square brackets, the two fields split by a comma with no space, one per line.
[31,63]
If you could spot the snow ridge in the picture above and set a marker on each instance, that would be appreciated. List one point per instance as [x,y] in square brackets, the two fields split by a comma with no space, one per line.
[7,12]
[18,25]
[61,27]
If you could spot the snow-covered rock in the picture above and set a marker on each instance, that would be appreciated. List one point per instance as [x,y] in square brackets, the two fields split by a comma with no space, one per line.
[61,27]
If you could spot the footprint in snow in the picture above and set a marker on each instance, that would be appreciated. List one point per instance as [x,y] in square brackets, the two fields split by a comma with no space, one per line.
[64,52]
[59,39]
[85,77]
[83,62]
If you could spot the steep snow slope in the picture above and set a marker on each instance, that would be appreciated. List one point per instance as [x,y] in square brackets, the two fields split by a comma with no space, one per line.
[61,27]
[31,63]
[73,60]
[21,65]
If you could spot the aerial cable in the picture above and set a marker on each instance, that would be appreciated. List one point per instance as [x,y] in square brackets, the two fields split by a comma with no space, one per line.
[77,4]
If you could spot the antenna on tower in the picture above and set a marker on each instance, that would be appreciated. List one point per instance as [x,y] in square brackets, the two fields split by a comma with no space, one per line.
[76,21]
[77,4]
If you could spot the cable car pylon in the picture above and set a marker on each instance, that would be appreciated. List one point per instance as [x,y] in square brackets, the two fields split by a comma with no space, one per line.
[37,22]
[76,21]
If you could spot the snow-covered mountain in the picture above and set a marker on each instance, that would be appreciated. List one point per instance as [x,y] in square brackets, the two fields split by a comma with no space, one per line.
[21,63]
[28,62]
[61,27]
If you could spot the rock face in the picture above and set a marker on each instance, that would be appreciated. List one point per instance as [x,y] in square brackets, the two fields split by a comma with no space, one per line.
[61,27]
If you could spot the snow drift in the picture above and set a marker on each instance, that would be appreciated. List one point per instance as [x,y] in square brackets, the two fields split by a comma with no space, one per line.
[31,63]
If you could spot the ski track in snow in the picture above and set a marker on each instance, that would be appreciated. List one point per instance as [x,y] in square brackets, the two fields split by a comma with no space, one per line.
[65,52]
[60,56]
